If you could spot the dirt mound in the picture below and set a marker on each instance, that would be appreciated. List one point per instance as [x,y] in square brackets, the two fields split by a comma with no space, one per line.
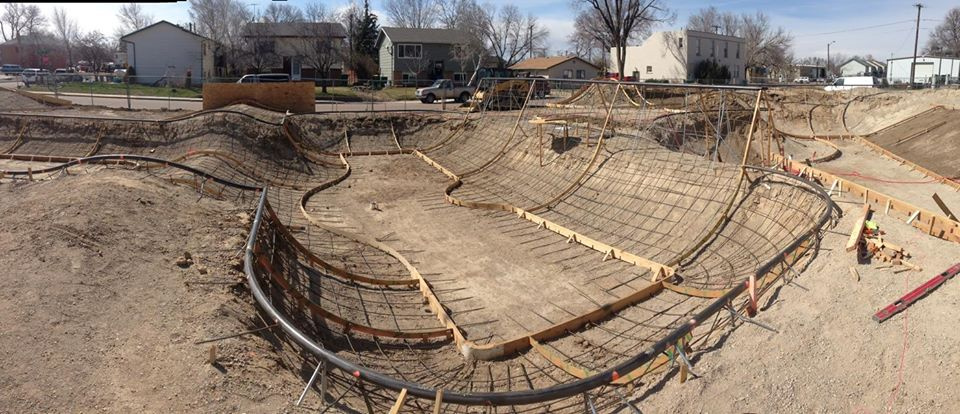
[97,314]
[12,101]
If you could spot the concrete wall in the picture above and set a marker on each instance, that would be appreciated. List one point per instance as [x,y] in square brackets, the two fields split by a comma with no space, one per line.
[898,70]
[165,49]
[296,97]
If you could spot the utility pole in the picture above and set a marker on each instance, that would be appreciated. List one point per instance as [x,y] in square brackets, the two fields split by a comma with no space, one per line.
[829,75]
[916,40]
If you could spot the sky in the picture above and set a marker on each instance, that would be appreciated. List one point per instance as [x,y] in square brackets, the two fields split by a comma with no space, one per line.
[881,28]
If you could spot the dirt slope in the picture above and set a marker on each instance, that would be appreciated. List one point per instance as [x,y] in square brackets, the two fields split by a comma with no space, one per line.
[97,316]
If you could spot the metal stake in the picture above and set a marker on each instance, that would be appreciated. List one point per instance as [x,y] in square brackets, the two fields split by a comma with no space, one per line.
[310,383]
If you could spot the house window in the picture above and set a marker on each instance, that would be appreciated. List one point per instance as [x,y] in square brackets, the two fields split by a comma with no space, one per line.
[680,43]
[636,74]
[713,47]
[726,45]
[567,73]
[649,69]
[738,51]
[698,47]
[409,51]
[581,74]
[459,77]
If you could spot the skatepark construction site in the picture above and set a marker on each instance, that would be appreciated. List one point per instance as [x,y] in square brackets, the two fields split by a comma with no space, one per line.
[626,247]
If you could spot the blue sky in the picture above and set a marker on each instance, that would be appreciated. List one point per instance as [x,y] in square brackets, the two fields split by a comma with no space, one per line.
[885,27]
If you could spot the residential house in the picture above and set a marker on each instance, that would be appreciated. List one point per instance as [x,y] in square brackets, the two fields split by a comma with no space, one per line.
[34,51]
[812,72]
[929,70]
[556,67]
[164,53]
[407,55]
[674,55]
[862,67]
[304,50]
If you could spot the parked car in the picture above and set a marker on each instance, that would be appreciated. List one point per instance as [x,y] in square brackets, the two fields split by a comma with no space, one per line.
[66,75]
[10,69]
[847,83]
[265,77]
[802,79]
[444,89]
[34,75]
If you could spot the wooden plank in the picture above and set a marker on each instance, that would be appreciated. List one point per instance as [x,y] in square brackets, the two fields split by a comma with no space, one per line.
[438,401]
[854,273]
[857,230]
[402,398]
[943,206]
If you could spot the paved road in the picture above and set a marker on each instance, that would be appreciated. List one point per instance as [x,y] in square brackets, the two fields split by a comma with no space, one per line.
[112,101]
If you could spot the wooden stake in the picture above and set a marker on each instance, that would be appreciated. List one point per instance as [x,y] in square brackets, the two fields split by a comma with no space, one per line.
[438,401]
[913,216]
[402,398]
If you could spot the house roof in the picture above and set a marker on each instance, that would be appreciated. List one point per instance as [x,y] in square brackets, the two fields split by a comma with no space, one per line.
[431,36]
[298,29]
[867,63]
[544,63]
[159,23]
[44,38]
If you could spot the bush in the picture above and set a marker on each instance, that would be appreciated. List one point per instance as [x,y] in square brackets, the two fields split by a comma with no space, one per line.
[709,71]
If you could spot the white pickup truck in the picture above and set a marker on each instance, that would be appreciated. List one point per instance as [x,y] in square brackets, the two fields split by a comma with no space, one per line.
[444,89]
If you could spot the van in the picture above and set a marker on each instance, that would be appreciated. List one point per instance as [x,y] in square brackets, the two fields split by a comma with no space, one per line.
[847,83]
[265,77]
[10,69]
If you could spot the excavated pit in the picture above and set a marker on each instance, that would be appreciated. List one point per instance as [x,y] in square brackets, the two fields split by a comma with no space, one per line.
[493,251]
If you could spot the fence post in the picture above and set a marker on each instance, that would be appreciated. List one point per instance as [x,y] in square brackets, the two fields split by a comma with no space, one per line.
[129,106]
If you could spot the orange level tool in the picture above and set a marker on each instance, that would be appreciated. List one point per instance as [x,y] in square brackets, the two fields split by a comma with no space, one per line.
[916,294]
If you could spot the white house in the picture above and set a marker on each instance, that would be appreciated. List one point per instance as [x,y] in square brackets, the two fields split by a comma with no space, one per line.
[929,70]
[164,51]
[674,55]
[862,67]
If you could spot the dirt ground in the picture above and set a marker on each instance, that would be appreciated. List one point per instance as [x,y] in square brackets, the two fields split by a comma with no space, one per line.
[98,316]
[829,355]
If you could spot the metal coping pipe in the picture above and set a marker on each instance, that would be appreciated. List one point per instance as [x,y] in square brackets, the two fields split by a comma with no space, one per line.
[528,396]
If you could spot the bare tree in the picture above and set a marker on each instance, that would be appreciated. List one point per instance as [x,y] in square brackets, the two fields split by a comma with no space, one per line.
[93,48]
[133,18]
[223,22]
[510,35]
[22,20]
[282,13]
[460,14]
[418,14]
[711,20]
[945,38]
[764,46]
[589,40]
[623,19]
[321,43]
[66,29]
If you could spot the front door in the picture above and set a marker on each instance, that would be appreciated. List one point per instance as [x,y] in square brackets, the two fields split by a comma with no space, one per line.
[437,70]
[295,68]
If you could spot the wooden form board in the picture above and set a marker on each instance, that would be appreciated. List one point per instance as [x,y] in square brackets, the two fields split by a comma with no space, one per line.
[927,221]
[296,97]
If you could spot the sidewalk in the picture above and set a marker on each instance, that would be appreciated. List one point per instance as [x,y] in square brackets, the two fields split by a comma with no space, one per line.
[100,95]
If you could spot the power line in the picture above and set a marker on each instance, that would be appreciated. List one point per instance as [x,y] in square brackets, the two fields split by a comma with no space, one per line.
[858,28]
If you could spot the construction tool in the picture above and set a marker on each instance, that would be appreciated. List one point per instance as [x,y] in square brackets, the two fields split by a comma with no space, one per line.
[916,294]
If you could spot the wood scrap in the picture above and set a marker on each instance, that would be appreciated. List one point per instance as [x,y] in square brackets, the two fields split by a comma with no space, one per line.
[943,206]
[854,273]
[857,230]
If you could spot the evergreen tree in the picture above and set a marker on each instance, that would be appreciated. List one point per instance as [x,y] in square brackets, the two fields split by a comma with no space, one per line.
[363,33]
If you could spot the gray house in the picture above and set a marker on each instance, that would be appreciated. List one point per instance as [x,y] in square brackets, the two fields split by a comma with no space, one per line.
[304,50]
[407,55]
[164,52]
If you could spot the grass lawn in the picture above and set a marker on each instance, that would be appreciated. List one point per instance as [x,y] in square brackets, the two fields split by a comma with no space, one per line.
[347,93]
[135,89]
